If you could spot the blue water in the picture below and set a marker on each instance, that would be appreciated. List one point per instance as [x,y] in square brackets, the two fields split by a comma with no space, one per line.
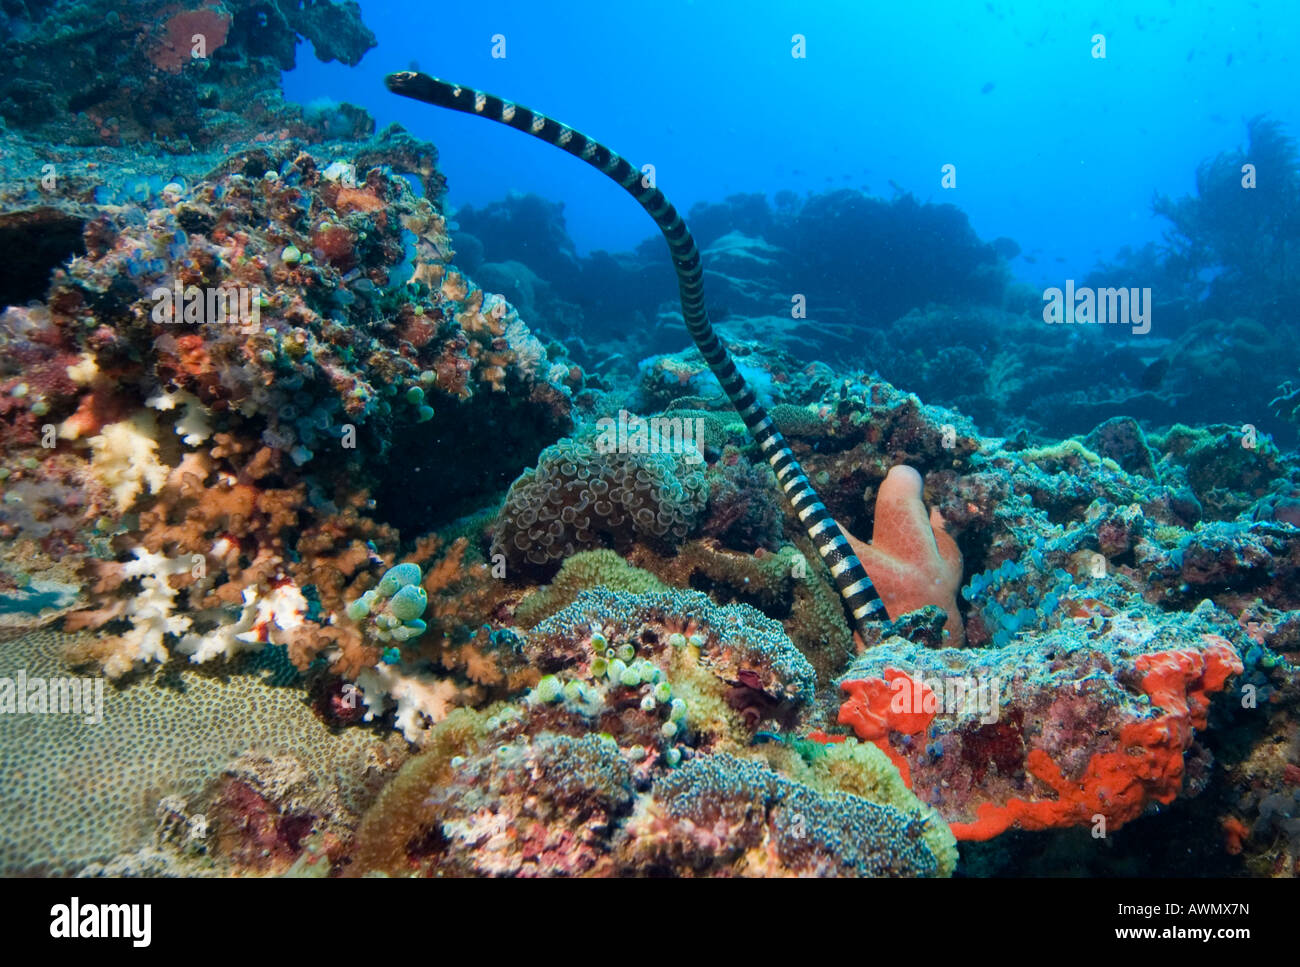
[1054,148]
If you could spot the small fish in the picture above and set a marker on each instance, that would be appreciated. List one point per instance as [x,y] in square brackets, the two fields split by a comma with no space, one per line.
[988,86]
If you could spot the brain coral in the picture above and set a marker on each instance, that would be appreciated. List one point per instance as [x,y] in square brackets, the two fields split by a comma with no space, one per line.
[580,499]
[77,793]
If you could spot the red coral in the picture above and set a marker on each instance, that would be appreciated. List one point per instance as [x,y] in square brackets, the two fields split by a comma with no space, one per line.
[174,50]
[336,244]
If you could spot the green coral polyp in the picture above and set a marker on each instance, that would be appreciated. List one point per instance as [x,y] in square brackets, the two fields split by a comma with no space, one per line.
[549,689]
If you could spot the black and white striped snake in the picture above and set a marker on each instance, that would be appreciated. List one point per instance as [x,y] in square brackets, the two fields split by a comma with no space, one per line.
[850,576]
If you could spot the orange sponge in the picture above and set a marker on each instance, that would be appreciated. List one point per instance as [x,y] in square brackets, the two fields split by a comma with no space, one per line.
[896,703]
[1147,766]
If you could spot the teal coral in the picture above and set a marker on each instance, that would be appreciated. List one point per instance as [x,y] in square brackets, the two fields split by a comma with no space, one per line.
[391,610]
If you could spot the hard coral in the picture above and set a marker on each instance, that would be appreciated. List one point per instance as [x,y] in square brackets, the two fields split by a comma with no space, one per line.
[579,498]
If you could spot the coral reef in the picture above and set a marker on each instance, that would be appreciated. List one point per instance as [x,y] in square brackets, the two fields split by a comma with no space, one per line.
[136,74]
[404,547]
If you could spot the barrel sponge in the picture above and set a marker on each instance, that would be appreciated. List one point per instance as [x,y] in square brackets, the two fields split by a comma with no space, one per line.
[78,793]
[722,814]
[737,642]
[580,499]
[585,570]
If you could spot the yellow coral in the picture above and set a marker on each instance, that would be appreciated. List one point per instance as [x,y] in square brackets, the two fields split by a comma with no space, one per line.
[126,458]
[586,569]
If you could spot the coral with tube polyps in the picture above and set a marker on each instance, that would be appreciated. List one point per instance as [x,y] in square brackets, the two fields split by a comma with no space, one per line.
[580,499]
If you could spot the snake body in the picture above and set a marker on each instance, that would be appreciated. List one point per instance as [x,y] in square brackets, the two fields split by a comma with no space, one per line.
[855,587]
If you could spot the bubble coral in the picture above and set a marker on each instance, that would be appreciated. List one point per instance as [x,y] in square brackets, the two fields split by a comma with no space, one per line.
[579,499]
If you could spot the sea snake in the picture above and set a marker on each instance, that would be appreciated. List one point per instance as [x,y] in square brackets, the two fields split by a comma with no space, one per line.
[850,576]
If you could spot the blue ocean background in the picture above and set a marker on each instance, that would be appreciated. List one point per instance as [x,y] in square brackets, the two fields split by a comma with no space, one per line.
[1053,148]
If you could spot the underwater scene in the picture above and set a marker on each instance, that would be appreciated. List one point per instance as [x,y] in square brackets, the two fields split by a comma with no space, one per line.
[701,439]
